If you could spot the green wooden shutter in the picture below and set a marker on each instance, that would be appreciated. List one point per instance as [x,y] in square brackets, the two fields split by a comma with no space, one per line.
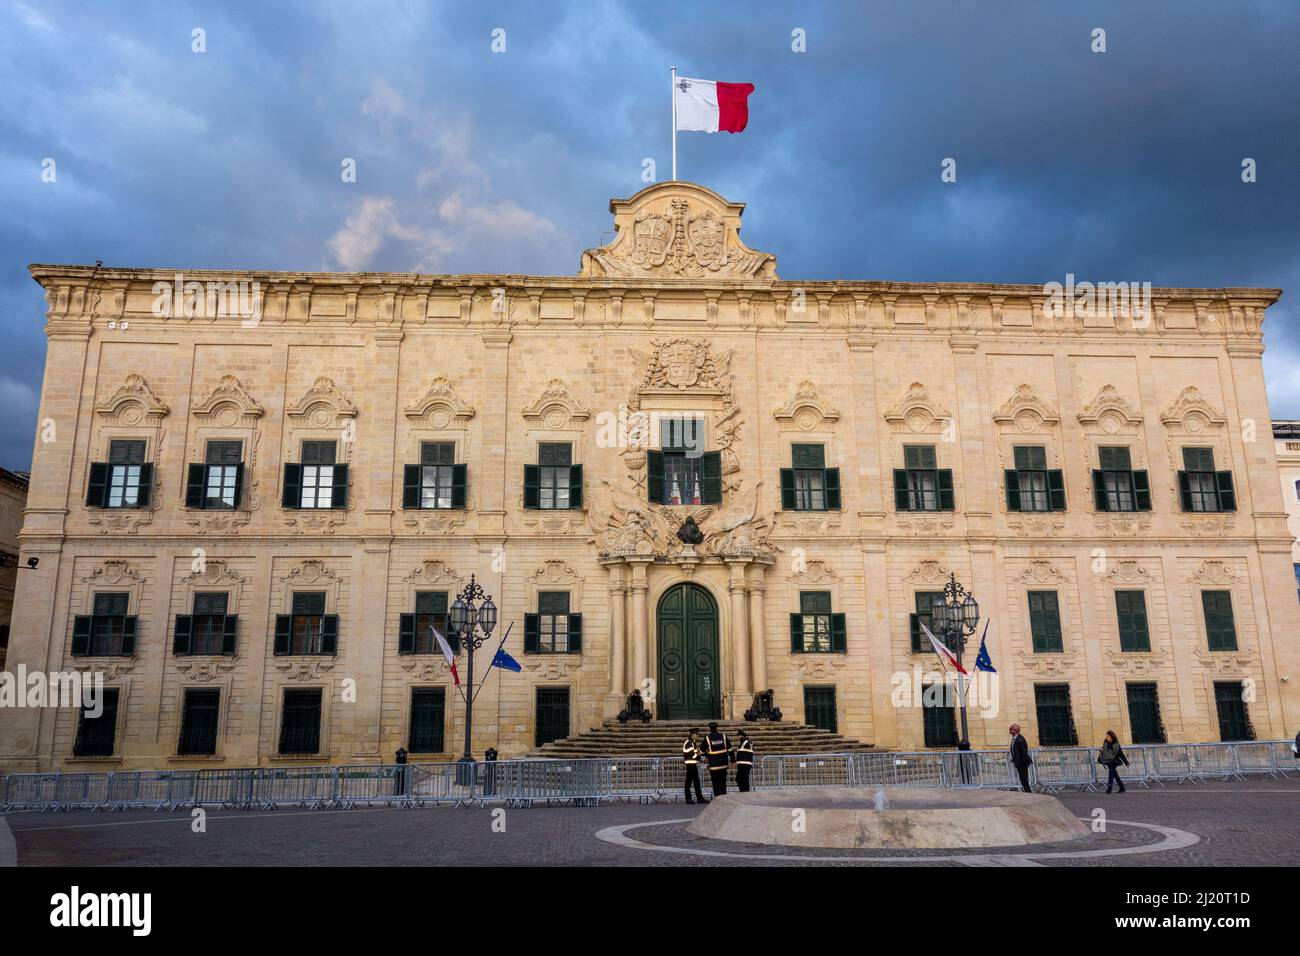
[1141,491]
[900,489]
[97,489]
[532,486]
[410,486]
[787,489]
[291,493]
[575,633]
[1185,491]
[239,483]
[839,634]
[194,481]
[329,634]
[1227,495]
[146,486]
[406,634]
[1012,479]
[229,633]
[1056,489]
[81,625]
[914,632]
[459,481]
[339,497]
[832,484]
[1099,501]
[532,633]
[654,480]
[283,625]
[184,633]
[575,486]
[947,501]
[711,478]
[130,625]
[796,633]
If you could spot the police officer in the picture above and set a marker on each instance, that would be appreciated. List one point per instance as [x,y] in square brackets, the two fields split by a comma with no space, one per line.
[691,758]
[717,752]
[744,762]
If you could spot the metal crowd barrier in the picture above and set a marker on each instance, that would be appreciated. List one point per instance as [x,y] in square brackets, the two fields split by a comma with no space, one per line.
[530,782]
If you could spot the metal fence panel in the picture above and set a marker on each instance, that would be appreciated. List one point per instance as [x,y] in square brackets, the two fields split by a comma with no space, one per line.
[1065,767]
[1210,761]
[1171,762]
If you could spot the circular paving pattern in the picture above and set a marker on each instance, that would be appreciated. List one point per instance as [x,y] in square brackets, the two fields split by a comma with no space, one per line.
[1122,838]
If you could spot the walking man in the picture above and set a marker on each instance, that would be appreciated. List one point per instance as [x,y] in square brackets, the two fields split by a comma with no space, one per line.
[716,751]
[691,758]
[1020,758]
[744,762]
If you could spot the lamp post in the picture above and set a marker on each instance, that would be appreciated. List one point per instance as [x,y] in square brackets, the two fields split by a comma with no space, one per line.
[955,613]
[471,618]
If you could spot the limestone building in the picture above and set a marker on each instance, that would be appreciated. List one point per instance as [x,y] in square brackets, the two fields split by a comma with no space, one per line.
[1286,438]
[262,490]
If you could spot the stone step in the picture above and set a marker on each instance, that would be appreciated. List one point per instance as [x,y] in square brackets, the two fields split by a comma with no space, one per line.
[663,738]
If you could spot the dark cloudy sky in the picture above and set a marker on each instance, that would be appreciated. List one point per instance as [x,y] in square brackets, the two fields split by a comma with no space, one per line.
[1117,165]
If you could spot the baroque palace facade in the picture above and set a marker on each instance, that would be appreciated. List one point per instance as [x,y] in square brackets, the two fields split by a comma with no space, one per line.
[251,525]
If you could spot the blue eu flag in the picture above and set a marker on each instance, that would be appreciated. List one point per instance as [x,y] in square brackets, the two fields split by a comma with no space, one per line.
[982,661]
[504,660]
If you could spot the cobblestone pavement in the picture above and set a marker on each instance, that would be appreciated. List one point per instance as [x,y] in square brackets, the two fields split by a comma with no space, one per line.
[1236,823]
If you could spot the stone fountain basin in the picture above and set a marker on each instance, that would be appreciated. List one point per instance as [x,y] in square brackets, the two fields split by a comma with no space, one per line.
[887,818]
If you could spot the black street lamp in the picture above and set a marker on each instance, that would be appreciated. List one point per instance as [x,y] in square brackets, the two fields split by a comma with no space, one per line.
[955,614]
[471,618]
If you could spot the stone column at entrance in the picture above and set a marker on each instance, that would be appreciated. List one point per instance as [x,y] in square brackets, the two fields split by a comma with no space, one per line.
[640,657]
[739,638]
[617,637]
[757,643]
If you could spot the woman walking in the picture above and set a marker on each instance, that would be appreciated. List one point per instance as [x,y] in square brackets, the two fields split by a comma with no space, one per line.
[1110,757]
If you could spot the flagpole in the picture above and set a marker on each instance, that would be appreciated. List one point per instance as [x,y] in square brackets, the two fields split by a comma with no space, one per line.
[672,90]
[494,656]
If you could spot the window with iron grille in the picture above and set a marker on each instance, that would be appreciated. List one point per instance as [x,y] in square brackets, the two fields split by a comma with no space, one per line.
[1200,487]
[809,485]
[1131,612]
[1031,485]
[1045,622]
[300,721]
[124,480]
[318,463]
[215,484]
[1220,630]
[97,736]
[108,631]
[924,610]
[209,622]
[1055,720]
[817,629]
[1116,485]
[199,721]
[428,709]
[939,716]
[1234,719]
[415,634]
[1144,713]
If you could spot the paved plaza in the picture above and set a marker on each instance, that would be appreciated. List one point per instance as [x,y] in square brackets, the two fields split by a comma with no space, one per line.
[1191,825]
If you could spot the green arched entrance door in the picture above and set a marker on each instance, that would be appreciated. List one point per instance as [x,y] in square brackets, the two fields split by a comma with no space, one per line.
[687,628]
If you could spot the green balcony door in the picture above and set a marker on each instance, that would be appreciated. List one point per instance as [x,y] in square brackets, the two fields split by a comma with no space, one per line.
[687,628]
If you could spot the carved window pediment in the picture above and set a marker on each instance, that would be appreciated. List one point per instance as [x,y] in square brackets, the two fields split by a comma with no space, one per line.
[440,405]
[133,402]
[1109,407]
[229,404]
[556,407]
[1192,413]
[916,411]
[1026,411]
[322,404]
[807,409]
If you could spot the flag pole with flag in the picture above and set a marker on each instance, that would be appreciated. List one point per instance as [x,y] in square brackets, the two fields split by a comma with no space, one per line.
[451,658]
[942,649]
[708,106]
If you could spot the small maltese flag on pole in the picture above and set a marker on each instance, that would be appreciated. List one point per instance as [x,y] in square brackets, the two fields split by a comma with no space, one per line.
[708,106]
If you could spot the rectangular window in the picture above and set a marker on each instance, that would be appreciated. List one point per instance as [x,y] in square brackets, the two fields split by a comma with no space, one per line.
[553,610]
[1031,472]
[1116,486]
[681,439]
[924,608]
[809,477]
[108,625]
[1234,720]
[318,462]
[1144,713]
[1045,622]
[307,628]
[125,469]
[554,460]
[938,715]
[1131,612]
[1200,487]
[221,474]
[682,433]
[1220,630]
[199,721]
[300,721]
[431,614]
[428,709]
[208,625]
[922,478]
[97,736]
[1055,721]
[437,473]
[815,607]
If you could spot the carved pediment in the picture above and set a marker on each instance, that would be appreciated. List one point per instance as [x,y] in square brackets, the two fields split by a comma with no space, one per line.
[1109,404]
[440,405]
[323,403]
[433,572]
[1212,572]
[916,410]
[229,400]
[677,230]
[556,406]
[1039,571]
[1026,411]
[1192,412]
[807,409]
[682,364]
[133,402]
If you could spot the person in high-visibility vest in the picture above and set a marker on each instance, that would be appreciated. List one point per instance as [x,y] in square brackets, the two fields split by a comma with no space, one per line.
[691,758]
[744,762]
[717,752]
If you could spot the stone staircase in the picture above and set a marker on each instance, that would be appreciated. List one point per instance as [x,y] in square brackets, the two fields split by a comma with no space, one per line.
[663,738]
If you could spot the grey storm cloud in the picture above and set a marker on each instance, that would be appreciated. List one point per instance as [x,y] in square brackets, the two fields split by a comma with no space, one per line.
[1123,165]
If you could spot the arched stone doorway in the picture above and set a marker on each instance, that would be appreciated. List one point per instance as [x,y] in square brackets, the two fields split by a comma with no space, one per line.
[686,627]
